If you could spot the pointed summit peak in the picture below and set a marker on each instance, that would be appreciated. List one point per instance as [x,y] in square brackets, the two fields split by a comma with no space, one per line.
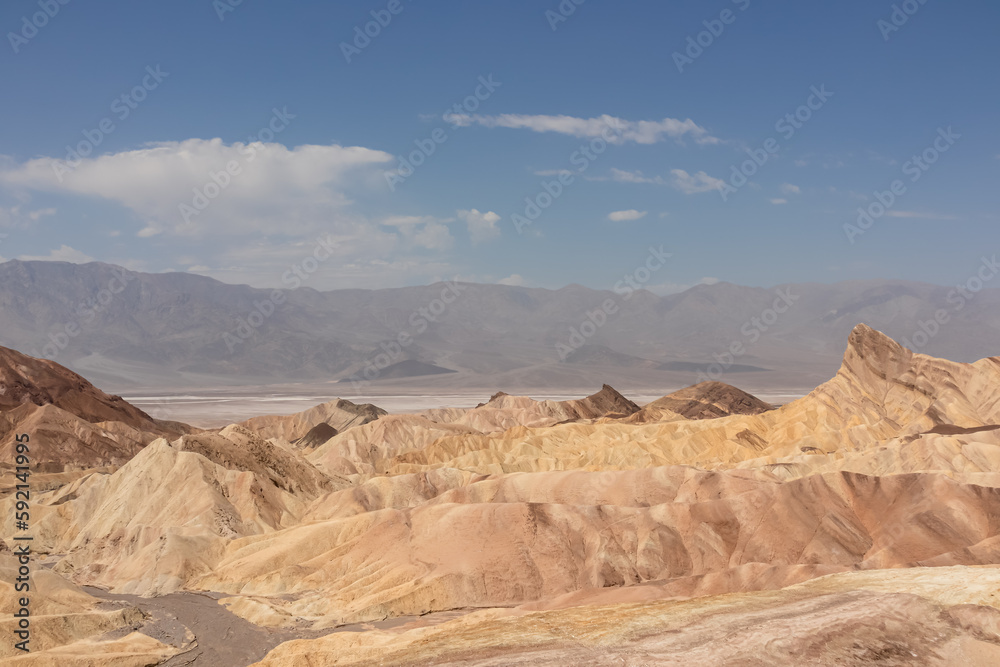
[495,397]
[607,392]
[867,341]
[871,351]
[609,400]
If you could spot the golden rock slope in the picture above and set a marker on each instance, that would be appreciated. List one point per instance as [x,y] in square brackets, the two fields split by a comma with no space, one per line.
[941,617]
[504,411]
[166,515]
[882,392]
[338,415]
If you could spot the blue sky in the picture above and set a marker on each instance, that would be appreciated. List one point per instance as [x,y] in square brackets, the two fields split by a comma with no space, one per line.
[210,85]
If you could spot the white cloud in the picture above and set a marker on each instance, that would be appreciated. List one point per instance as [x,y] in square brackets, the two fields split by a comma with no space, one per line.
[433,236]
[36,215]
[697,183]
[61,254]
[665,214]
[623,176]
[269,217]
[778,202]
[568,172]
[422,231]
[622,216]
[16,216]
[278,190]
[513,280]
[878,157]
[790,189]
[640,132]
[409,220]
[482,226]
[919,215]
[361,256]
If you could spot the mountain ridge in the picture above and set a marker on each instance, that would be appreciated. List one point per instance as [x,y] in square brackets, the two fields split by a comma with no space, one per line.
[178,330]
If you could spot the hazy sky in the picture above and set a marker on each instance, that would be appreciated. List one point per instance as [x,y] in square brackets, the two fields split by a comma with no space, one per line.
[225,139]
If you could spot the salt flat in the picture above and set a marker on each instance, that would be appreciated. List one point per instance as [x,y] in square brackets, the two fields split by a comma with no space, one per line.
[212,409]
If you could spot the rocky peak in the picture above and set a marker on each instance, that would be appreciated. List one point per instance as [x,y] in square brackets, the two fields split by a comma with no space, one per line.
[872,353]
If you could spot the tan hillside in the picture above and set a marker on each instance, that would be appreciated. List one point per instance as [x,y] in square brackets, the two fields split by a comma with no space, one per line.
[936,618]
[706,400]
[534,537]
[366,449]
[503,411]
[881,392]
[166,515]
[338,414]
[61,441]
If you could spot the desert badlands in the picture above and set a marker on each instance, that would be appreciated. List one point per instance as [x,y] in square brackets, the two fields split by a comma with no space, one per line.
[858,525]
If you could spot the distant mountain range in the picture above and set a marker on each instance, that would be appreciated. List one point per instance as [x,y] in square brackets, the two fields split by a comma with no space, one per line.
[179,330]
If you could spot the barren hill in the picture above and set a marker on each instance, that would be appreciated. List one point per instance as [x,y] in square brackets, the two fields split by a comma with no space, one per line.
[24,379]
[73,424]
[706,400]
[338,415]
